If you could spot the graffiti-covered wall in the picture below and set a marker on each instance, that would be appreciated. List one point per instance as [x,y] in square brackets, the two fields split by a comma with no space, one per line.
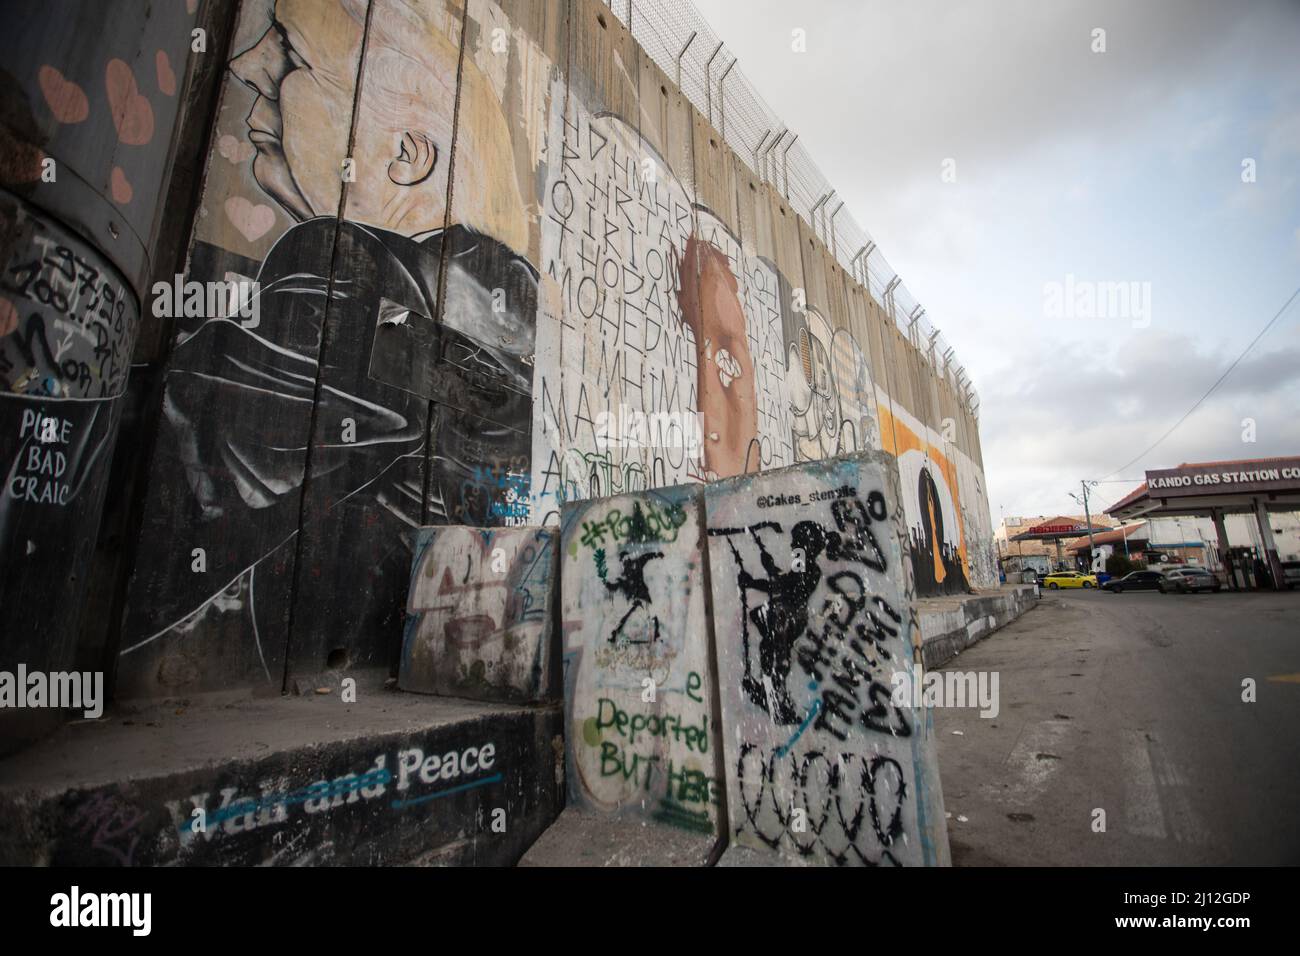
[479,614]
[494,262]
[98,108]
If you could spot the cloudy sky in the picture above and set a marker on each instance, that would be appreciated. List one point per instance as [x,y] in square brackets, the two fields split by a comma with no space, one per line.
[1122,166]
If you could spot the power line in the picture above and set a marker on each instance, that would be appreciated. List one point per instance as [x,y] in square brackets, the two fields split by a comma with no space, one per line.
[1235,361]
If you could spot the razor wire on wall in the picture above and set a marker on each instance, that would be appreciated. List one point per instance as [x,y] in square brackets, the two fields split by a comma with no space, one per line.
[683,45]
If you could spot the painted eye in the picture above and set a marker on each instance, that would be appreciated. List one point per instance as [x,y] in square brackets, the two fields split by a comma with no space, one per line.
[295,59]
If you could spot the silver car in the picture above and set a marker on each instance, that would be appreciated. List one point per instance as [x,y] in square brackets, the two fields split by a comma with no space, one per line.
[1189,581]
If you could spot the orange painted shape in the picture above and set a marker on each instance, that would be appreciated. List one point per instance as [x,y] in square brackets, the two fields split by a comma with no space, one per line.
[66,100]
[8,317]
[896,438]
[120,187]
[166,77]
[132,113]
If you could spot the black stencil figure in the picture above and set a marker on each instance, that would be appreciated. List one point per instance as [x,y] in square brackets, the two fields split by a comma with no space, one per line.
[784,617]
[633,587]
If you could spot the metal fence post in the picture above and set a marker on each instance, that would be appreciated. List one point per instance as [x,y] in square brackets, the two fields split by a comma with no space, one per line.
[722,102]
[785,167]
[681,53]
[758,149]
[708,84]
[834,255]
[771,146]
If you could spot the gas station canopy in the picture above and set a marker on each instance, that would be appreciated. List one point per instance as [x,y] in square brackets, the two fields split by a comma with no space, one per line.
[1214,488]
[1224,486]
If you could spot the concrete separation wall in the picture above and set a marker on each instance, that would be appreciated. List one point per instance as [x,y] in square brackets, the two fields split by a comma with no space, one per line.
[96,102]
[950,625]
[531,249]
[812,597]
[480,614]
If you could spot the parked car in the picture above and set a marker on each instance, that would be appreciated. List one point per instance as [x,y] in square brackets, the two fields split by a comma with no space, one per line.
[1291,573]
[1069,579]
[1188,580]
[1136,581]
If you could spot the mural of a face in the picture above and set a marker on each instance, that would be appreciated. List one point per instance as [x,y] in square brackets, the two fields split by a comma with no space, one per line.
[710,303]
[302,70]
[404,120]
[294,68]
[419,352]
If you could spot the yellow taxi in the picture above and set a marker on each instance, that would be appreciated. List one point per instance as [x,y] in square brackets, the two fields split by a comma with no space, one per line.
[1069,579]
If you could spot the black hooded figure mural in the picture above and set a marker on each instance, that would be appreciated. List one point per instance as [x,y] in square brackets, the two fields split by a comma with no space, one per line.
[937,566]
[383,381]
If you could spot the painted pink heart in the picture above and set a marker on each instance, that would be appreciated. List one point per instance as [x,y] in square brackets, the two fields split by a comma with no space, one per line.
[122,191]
[253,221]
[66,100]
[235,150]
[8,317]
[166,78]
[132,114]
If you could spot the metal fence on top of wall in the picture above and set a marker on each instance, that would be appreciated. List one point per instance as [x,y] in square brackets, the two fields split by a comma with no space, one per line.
[683,45]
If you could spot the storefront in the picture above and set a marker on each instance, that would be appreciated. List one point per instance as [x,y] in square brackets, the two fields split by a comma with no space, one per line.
[1053,533]
[1136,543]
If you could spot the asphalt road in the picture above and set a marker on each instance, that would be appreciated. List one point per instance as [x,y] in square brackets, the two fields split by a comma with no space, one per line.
[1132,704]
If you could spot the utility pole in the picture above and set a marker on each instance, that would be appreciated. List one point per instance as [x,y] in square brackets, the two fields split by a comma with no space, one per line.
[1092,551]
[1087,514]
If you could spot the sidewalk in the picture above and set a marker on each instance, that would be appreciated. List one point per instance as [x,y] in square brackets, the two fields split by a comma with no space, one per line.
[951,624]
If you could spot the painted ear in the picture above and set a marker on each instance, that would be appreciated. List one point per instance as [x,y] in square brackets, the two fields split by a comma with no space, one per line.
[414,164]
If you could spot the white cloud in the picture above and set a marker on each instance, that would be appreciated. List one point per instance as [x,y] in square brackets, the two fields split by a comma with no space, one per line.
[1079,412]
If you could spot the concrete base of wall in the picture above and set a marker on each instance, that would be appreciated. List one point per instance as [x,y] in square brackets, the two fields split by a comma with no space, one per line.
[949,625]
[583,838]
[390,779]
[744,856]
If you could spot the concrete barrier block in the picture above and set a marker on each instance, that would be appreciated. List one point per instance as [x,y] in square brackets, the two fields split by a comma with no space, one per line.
[640,720]
[949,625]
[480,621]
[813,615]
[287,781]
